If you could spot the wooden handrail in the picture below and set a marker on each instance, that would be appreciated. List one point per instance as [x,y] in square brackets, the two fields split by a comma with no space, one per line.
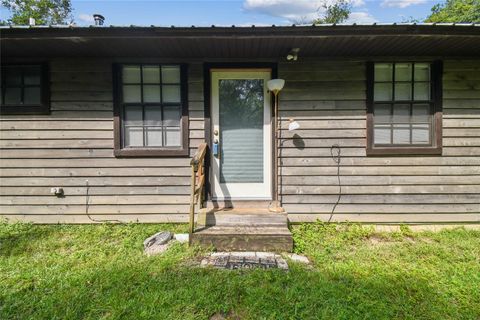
[197,183]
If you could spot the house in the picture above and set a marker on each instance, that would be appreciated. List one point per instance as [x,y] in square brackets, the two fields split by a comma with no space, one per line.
[100,123]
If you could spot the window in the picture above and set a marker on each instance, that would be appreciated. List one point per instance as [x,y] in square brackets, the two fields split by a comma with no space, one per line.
[150,110]
[24,89]
[404,108]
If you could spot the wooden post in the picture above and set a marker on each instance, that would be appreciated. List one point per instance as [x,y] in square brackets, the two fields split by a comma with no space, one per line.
[192,201]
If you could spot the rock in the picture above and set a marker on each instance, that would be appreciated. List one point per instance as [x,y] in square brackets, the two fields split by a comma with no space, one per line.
[298,258]
[157,249]
[159,238]
[181,237]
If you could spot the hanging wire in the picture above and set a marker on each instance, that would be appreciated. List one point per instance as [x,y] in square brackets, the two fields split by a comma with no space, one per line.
[87,205]
[335,152]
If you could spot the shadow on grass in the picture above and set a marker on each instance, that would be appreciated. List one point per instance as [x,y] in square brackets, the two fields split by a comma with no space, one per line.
[147,290]
[17,238]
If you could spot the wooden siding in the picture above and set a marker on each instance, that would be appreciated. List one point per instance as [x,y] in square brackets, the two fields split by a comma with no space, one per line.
[75,143]
[327,98]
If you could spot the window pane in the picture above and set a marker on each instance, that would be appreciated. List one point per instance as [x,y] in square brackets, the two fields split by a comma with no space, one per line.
[403,72]
[172,137]
[13,76]
[31,95]
[421,113]
[131,74]
[401,113]
[31,75]
[422,91]
[154,136]
[131,93]
[383,72]
[171,116]
[151,74]
[382,134]
[171,93]
[422,72]
[170,74]
[403,91]
[401,134]
[382,113]
[13,96]
[153,115]
[134,137]
[383,92]
[421,133]
[151,93]
[133,116]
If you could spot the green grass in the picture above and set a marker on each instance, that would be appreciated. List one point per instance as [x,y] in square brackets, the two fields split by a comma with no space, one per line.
[100,272]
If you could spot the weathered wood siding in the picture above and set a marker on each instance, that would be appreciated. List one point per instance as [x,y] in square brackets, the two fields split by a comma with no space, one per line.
[75,143]
[328,100]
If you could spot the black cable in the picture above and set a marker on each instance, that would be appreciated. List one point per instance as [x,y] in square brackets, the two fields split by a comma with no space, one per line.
[87,204]
[335,151]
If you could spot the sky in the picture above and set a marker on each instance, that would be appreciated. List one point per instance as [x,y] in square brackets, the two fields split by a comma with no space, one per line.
[239,12]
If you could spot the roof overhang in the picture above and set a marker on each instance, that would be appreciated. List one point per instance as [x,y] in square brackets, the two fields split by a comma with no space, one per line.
[242,42]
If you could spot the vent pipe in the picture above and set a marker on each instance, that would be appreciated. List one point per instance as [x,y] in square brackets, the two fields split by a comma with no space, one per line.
[99,19]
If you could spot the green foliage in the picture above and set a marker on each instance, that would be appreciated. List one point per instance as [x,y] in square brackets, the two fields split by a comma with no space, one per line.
[43,11]
[100,272]
[456,11]
[337,12]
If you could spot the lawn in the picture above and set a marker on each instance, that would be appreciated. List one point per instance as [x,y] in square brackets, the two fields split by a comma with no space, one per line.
[100,272]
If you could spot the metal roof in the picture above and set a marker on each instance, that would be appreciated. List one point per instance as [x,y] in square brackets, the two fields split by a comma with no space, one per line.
[270,42]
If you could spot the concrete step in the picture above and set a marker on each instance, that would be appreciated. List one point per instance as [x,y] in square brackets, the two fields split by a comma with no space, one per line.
[241,217]
[245,238]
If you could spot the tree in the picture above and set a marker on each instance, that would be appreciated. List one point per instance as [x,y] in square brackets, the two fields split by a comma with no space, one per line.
[43,11]
[456,11]
[337,12]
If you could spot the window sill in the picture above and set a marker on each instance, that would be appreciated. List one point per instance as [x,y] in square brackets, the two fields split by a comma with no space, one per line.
[24,110]
[151,152]
[399,151]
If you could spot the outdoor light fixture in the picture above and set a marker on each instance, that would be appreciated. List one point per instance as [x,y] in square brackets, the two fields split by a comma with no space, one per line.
[293,125]
[293,54]
[275,86]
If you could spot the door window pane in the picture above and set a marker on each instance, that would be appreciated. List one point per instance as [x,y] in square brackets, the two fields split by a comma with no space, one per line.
[241,130]
[13,76]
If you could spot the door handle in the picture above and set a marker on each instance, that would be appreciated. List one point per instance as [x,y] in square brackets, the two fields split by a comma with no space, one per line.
[216,148]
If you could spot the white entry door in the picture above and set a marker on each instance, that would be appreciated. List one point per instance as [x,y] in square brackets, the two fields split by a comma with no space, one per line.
[241,126]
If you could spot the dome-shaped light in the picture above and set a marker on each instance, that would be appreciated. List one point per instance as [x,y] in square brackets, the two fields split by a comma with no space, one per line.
[275,85]
[293,125]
